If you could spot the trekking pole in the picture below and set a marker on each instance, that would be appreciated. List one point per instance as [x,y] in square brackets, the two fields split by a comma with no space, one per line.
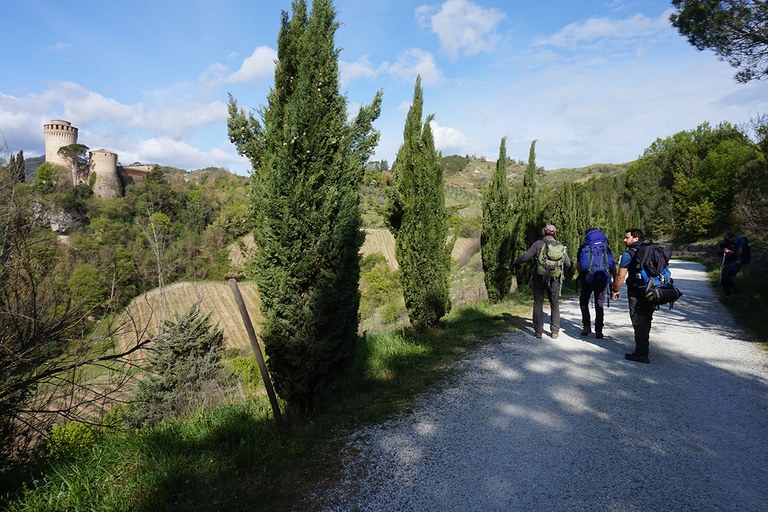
[722,269]
[257,351]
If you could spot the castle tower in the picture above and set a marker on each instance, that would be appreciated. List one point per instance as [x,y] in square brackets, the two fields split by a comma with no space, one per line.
[57,134]
[103,164]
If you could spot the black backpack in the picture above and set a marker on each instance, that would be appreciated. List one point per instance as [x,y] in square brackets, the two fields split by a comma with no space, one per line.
[651,274]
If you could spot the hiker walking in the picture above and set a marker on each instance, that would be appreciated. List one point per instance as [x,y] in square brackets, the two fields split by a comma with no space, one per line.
[640,310]
[735,253]
[551,258]
[597,268]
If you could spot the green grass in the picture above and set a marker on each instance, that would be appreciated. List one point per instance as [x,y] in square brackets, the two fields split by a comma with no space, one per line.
[233,458]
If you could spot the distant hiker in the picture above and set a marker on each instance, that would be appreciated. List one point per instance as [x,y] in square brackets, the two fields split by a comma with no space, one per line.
[551,258]
[640,310]
[735,253]
[597,268]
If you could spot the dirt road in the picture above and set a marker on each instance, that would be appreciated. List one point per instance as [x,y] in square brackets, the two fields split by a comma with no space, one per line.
[568,424]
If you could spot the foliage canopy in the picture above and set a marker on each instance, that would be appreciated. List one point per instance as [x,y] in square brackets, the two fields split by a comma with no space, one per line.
[736,30]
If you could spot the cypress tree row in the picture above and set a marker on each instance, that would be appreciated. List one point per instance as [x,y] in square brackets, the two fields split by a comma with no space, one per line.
[418,220]
[16,167]
[495,238]
[305,206]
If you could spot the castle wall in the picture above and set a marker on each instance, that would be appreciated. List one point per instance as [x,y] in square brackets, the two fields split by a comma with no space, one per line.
[134,173]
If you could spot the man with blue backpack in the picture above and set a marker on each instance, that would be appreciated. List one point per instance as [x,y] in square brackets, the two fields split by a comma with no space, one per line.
[597,268]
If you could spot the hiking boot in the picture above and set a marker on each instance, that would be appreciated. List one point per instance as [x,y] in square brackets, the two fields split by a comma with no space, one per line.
[599,335]
[555,335]
[637,358]
[538,335]
[585,331]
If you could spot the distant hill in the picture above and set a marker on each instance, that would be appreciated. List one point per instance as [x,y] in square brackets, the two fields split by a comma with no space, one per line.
[30,167]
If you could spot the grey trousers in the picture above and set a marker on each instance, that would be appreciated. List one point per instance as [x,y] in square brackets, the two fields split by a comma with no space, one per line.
[549,287]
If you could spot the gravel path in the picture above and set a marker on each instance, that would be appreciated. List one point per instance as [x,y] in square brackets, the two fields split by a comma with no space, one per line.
[568,424]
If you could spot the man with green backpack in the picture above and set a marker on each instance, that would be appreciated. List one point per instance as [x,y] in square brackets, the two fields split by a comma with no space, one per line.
[551,258]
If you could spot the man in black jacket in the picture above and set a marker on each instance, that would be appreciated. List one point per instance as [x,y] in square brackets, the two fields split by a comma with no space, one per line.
[640,310]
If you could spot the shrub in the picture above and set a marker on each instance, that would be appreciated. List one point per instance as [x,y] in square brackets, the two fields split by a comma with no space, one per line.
[70,438]
[246,371]
[380,289]
[184,361]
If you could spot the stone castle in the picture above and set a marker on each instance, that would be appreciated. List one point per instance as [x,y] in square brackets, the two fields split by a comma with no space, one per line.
[108,175]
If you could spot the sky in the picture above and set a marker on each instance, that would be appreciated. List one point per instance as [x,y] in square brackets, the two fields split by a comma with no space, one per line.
[592,81]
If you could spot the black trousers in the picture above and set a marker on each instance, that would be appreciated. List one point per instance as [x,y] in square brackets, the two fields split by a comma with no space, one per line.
[587,291]
[641,314]
[549,287]
[728,278]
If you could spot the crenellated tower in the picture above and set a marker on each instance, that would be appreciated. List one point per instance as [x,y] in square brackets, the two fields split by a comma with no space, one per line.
[58,133]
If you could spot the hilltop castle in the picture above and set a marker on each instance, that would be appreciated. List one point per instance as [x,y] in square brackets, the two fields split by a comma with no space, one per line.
[109,177]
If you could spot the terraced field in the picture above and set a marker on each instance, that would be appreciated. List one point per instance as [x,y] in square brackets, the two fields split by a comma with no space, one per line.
[214,297]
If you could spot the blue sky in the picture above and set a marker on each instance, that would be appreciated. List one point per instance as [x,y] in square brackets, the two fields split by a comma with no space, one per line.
[592,81]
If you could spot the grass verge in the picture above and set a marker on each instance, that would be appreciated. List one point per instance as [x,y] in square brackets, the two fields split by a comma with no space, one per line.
[748,307]
[232,457]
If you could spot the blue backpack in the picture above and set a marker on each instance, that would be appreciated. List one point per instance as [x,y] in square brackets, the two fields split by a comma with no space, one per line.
[743,251]
[595,258]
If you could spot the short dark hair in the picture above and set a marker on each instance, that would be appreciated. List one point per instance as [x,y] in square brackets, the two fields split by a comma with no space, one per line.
[635,232]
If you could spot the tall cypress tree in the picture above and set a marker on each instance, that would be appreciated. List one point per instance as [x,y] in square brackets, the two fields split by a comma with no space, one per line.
[528,218]
[495,238]
[419,220]
[565,215]
[305,205]
[17,167]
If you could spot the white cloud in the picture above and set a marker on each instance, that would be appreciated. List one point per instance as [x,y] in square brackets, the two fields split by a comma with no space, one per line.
[259,65]
[180,120]
[449,140]
[351,71]
[169,151]
[413,62]
[596,29]
[463,27]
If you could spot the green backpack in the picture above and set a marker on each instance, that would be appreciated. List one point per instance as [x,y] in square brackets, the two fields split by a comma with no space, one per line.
[549,261]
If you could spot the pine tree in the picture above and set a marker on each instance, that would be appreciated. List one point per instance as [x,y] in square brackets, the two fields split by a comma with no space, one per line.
[419,220]
[185,359]
[307,169]
[495,239]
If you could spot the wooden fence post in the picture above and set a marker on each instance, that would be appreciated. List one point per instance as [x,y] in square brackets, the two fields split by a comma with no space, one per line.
[257,350]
